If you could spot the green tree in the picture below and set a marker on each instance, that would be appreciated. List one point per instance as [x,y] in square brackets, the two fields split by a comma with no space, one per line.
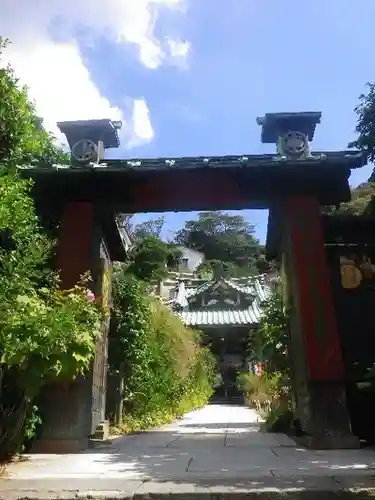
[362,202]
[365,127]
[137,232]
[151,258]
[125,221]
[150,228]
[223,237]
[22,137]
[216,268]
[363,196]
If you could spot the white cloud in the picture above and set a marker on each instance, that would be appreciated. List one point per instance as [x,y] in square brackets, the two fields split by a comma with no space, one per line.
[59,83]
[178,51]
[50,63]
[142,128]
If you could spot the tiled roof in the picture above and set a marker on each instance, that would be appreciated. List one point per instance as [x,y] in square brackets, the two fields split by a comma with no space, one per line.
[250,316]
[201,288]
[246,317]
[354,159]
[257,286]
[248,289]
[262,290]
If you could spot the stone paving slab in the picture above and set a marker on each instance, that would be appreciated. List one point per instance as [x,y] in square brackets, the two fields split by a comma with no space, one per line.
[259,439]
[194,442]
[158,465]
[217,452]
[239,461]
[298,453]
[147,440]
[335,461]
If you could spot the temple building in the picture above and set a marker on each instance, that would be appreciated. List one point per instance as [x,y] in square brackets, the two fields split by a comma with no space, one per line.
[226,311]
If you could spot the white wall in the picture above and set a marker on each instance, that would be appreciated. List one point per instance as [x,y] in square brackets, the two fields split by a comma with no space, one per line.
[194,258]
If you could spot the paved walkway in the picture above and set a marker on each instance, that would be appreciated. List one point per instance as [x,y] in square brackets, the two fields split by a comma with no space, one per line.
[218,448]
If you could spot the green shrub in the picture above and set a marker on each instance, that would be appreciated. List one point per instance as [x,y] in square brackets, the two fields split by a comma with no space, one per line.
[260,392]
[269,345]
[166,371]
[279,420]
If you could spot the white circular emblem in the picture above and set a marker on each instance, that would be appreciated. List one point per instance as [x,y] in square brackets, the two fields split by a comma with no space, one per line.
[84,151]
[294,143]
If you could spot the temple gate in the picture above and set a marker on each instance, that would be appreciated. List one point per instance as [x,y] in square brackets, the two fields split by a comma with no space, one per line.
[293,183]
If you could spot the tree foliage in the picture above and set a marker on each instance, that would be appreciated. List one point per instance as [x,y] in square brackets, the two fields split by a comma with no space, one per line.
[362,202]
[223,237]
[151,258]
[363,196]
[270,342]
[216,268]
[44,332]
[365,127]
[150,228]
[22,137]
[269,346]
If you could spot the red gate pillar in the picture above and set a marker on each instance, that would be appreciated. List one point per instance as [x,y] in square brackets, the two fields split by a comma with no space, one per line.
[75,242]
[315,342]
[67,407]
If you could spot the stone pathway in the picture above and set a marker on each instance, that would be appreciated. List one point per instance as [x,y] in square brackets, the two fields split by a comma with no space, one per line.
[216,449]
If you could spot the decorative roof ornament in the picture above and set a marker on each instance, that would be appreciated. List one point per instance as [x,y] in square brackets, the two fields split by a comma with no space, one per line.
[86,151]
[88,139]
[293,145]
[291,132]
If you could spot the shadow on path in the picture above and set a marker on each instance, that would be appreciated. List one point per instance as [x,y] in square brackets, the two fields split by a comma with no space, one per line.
[217,447]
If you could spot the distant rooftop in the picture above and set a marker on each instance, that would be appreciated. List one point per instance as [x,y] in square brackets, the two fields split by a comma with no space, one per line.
[258,287]
[244,317]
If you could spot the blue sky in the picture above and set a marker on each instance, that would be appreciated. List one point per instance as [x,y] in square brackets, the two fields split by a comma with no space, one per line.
[252,57]
[245,58]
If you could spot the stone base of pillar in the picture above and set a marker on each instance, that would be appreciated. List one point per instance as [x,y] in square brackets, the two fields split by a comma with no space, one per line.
[348,442]
[66,417]
[60,446]
[325,418]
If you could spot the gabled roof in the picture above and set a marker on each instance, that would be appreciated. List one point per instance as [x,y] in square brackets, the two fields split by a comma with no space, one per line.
[234,317]
[258,287]
[243,289]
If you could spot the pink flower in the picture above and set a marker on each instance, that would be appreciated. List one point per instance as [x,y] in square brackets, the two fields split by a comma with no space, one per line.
[90,296]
